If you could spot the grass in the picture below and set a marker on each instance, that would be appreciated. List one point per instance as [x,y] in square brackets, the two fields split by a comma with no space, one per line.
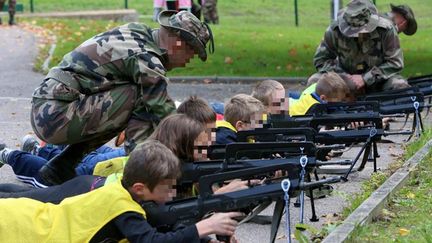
[369,186]
[254,38]
[408,216]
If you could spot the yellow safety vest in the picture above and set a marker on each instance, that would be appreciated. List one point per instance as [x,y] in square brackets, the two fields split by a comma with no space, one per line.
[302,106]
[75,219]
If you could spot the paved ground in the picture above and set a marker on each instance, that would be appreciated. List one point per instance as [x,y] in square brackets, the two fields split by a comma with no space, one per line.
[18,81]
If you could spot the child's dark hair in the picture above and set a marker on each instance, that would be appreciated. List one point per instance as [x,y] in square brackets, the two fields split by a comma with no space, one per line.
[150,163]
[197,109]
[178,132]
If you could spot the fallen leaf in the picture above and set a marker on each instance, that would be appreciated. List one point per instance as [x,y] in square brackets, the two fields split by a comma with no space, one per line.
[228,60]
[404,232]
[410,195]
[292,52]
[207,81]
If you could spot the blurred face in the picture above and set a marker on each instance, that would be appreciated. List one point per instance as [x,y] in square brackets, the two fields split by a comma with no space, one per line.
[400,22]
[256,121]
[179,52]
[162,193]
[279,103]
[204,139]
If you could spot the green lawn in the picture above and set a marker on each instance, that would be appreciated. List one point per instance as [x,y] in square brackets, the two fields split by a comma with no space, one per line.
[259,36]
[408,216]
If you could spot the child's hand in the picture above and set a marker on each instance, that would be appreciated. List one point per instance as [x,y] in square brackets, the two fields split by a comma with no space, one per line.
[236,185]
[219,224]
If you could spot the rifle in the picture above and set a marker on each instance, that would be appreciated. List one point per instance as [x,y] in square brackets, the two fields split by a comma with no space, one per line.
[249,155]
[406,101]
[343,114]
[189,211]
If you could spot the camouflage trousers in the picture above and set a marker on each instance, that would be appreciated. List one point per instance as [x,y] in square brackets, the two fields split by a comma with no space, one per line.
[395,82]
[210,12]
[94,119]
[12,4]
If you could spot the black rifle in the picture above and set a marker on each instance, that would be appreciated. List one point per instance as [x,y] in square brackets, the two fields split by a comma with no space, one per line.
[342,115]
[189,211]
[249,155]
[406,101]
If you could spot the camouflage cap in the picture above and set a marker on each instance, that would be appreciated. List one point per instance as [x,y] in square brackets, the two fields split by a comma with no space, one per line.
[360,16]
[408,14]
[190,29]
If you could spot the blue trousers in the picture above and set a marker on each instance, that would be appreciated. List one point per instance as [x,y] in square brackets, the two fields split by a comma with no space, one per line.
[26,166]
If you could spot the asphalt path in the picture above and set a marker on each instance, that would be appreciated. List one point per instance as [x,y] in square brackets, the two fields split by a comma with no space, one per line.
[17,52]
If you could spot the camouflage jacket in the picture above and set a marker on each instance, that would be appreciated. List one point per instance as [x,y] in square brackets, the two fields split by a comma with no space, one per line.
[377,58]
[127,54]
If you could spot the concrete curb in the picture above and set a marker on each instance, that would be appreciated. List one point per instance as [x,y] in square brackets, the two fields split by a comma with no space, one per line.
[235,79]
[372,206]
[45,65]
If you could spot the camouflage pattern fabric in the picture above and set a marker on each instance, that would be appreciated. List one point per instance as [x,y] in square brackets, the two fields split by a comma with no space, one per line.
[12,4]
[210,12]
[378,57]
[113,81]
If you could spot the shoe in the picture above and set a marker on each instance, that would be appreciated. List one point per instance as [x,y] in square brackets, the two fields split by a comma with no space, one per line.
[30,144]
[4,154]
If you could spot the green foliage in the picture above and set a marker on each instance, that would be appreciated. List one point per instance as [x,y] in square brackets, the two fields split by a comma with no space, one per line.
[407,218]
[257,37]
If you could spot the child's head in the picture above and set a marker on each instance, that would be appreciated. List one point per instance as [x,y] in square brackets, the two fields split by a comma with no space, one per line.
[271,93]
[197,109]
[332,88]
[151,172]
[244,112]
[178,132]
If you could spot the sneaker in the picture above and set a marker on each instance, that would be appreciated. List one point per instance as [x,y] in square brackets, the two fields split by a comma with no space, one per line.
[4,154]
[30,144]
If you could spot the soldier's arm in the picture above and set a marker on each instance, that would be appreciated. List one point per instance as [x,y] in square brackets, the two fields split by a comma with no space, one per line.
[154,102]
[393,59]
[325,58]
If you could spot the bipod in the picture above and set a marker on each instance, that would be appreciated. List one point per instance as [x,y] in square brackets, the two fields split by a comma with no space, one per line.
[365,148]
[278,213]
[417,125]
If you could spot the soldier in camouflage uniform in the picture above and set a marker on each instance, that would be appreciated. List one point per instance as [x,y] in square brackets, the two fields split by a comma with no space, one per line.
[11,10]
[210,12]
[111,82]
[364,48]
[403,19]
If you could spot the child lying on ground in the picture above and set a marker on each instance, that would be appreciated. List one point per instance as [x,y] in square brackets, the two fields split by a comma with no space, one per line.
[271,93]
[242,112]
[329,88]
[111,212]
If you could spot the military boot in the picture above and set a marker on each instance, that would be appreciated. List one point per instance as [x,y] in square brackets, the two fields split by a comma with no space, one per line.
[11,19]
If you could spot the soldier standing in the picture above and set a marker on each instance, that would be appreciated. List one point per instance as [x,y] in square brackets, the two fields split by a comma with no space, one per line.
[12,4]
[111,82]
[364,48]
[210,12]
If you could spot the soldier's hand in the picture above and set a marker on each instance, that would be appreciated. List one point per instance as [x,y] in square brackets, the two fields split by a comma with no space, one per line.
[358,81]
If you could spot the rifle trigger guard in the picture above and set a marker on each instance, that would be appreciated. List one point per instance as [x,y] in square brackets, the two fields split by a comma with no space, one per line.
[303,161]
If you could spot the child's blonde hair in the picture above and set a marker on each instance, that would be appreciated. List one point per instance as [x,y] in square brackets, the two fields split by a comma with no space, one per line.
[332,86]
[264,91]
[241,107]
